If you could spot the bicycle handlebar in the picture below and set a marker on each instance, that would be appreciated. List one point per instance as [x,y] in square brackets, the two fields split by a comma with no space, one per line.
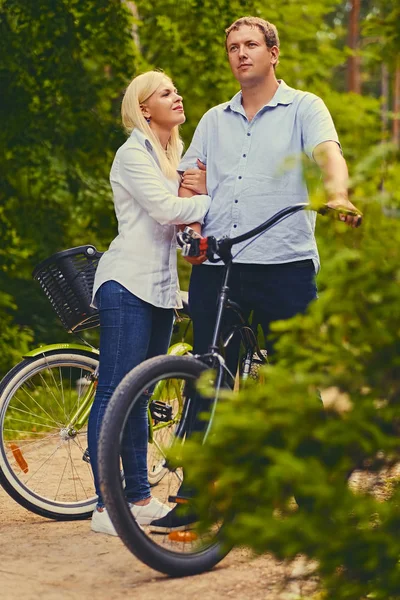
[194,245]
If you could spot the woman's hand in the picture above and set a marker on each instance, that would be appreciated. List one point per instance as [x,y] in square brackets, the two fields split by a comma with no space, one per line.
[195,179]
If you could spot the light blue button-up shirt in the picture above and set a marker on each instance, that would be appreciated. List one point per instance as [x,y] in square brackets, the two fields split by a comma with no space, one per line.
[254,169]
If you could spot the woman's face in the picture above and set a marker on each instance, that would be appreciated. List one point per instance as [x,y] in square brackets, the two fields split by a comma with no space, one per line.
[164,107]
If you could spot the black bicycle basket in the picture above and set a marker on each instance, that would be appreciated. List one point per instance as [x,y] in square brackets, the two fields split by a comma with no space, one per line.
[67,280]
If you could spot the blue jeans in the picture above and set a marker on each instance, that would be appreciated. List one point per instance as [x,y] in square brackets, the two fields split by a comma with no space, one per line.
[273,292]
[131,331]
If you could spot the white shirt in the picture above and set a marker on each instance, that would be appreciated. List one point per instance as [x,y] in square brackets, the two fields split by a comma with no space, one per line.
[142,257]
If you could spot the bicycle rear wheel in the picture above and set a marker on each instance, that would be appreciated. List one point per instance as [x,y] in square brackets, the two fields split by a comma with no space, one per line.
[42,463]
[181,550]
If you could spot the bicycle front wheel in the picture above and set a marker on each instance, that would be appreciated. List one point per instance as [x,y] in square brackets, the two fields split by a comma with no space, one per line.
[43,464]
[176,547]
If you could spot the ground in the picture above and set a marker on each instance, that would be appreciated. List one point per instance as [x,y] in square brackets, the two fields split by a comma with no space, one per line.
[55,561]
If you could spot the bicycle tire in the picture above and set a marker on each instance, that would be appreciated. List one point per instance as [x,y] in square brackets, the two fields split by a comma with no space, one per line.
[32,385]
[134,537]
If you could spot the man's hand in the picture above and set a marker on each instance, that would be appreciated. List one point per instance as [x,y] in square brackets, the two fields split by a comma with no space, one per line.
[195,179]
[351,220]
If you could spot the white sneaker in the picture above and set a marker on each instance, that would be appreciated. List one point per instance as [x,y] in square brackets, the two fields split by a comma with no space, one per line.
[149,512]
[101,522]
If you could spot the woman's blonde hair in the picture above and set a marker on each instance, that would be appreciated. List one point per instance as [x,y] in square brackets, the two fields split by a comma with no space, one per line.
[138,91]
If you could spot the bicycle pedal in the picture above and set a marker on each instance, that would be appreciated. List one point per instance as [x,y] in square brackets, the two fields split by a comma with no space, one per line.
[256,359]
[160,411]
[178,499]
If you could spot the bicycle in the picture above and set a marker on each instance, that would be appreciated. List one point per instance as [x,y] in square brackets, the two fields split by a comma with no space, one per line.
[190,550]
[45,402]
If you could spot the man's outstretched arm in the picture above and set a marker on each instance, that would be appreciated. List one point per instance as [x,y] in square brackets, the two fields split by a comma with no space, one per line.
[336,179]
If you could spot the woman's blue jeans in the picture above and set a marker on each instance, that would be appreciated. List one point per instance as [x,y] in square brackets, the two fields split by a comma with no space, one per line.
[131,331]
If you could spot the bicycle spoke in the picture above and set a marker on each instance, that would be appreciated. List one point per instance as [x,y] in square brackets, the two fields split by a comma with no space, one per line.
[14,408]
[19,421]
[40,407]
[28,451]
[62,391]
[61,478]
[45,462]
[76,441]
[24,431]
[79,395]
[73,467]
[72,473]
[55,383]
[25,444]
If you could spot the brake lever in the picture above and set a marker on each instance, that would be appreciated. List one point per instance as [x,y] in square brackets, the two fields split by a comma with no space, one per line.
[184,239]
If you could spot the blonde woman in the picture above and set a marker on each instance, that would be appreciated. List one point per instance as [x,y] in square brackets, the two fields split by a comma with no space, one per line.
[136,285]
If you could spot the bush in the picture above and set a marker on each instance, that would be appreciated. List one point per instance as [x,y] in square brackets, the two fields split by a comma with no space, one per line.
[272,440]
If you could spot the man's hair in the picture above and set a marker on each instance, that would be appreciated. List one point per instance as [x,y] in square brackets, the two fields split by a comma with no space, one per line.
[268,29]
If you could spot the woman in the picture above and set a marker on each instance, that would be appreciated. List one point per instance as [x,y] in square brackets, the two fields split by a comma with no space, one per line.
[136,284]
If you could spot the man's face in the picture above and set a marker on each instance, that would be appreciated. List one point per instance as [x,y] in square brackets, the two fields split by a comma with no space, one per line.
[250,58]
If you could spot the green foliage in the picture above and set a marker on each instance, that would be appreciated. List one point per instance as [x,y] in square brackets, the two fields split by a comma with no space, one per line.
[273,441]
[14,340]
[193,53]
[382,25]
[60,125]
[63,70]
[62,75]
[312,58]
[357,120]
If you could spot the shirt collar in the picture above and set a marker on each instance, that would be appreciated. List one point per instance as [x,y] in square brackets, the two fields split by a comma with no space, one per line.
[142,139]
[283,95]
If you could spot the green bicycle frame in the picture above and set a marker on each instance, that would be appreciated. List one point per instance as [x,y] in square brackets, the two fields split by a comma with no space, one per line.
[160,391]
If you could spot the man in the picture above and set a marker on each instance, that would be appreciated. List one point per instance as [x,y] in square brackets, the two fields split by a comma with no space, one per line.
[252,147]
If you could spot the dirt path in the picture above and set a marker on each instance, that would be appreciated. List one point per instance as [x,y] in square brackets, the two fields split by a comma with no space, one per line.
[56,561]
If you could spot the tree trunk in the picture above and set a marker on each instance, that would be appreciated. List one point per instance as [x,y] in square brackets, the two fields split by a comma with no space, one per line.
[133,9]
[354,61]
[396,104]
[385,101]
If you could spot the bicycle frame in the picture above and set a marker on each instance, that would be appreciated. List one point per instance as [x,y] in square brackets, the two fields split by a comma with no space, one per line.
[223,250]
[248,335]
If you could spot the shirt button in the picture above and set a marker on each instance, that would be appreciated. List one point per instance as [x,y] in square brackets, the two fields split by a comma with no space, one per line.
[240,177]
[236,201]
[244,156]
[235,226]
[249,134]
